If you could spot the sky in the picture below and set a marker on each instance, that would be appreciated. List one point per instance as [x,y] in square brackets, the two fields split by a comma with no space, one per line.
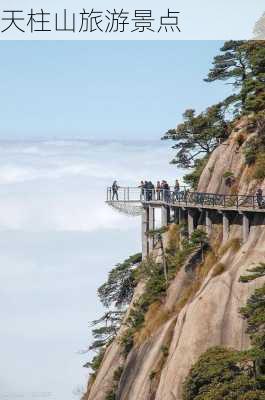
[74,117]
[102,89]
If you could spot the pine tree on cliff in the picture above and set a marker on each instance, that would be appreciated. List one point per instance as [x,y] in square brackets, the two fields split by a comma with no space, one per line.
[253,88]
[198,135]
[231,65]
[242,64]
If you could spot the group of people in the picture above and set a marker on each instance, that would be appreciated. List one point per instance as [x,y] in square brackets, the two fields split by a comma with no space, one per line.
[161,191]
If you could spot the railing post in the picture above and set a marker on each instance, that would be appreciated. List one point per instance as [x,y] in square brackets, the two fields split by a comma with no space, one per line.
[128,194]
[224,201]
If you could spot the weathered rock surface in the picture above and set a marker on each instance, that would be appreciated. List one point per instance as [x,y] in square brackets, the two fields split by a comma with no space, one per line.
[209,318]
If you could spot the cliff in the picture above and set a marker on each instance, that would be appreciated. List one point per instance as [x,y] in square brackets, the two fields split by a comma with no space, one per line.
[200,308]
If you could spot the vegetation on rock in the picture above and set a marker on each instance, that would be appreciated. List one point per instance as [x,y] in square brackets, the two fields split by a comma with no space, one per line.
[228,374]
[242,65]
[115,294]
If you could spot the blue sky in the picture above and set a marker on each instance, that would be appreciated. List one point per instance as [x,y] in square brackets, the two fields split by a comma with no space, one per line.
[128,90]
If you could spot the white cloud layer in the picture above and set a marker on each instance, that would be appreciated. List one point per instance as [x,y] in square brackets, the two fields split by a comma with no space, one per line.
[58,240]
[61,185]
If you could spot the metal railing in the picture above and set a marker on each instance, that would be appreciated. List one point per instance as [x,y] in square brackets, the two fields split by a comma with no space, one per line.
[184,196]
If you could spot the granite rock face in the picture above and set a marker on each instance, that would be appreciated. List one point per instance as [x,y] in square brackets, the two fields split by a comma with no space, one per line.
[210,317]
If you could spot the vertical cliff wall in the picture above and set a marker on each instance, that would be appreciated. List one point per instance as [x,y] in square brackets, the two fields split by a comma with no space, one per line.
[201,306]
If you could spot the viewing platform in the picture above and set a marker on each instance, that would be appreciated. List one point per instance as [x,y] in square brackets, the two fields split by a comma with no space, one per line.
[188,208]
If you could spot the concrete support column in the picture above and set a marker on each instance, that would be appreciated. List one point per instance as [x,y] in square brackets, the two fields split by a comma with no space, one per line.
[225,227]
[245,227]
[151,227]
[190,222]
[164,216]
[176,215]
[181,222]
[145,224]
[208,223]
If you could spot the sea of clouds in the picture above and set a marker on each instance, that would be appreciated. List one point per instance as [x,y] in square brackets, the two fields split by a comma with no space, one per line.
[58,240]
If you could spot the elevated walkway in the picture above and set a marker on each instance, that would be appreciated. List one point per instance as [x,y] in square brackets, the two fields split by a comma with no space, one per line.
[189,208]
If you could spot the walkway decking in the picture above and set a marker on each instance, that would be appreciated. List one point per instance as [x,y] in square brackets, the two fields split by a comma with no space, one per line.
[191,209]
[186,198]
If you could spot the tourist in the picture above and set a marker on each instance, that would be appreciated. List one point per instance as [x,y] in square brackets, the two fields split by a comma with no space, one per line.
[176,190]
[163,190]
[115,189]
[166,192]
[259,196]
[150,190]
[158,190]
[142,189]
[145,191]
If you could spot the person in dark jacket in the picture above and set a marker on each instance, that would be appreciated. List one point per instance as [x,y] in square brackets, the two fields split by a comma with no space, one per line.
[115,189]
[150,190]
[166,192]
[158,190]
[176,190]
[259,196]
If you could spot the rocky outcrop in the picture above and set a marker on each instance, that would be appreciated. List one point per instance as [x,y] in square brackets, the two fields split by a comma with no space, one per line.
[209,316]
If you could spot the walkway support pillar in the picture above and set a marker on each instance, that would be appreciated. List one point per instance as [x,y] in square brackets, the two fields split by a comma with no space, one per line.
[151,227]
[225,227]
[145,217]
[176,215]
[208,223]
[182,226]
[245,227]
[164,216]
[190,223]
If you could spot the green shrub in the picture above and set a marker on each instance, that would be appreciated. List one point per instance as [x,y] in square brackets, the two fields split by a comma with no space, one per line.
[111,395]
[228,174]
[95,363]
[152,375]
[193,178]
[259,172]
[240,138]
[127,341]
[221,374]
[165,351]
[250,155]
[119,288]
[252,148]
[118,373]
[198,237]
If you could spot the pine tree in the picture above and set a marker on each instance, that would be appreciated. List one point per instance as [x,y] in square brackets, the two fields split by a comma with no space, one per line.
[198,135]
